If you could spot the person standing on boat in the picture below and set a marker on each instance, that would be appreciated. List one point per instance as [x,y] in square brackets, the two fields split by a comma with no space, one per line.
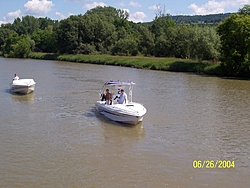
[118,95]
[108,97]
[123,97]
[16,77]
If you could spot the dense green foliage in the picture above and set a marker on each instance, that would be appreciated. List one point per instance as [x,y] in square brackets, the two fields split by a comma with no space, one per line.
[106,30]
[17,46]
[45,40]
[235,39]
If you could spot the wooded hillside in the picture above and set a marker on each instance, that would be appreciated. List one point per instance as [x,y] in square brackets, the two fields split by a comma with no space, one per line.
[201,19]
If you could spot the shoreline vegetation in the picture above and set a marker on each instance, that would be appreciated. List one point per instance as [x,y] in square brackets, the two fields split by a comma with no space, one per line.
[105,36]
[139,62]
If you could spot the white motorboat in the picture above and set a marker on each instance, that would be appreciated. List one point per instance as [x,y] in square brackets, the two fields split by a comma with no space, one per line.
[23,86]
[130,113]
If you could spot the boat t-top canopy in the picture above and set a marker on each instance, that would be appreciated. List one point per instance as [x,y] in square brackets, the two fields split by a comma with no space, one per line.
[120,83]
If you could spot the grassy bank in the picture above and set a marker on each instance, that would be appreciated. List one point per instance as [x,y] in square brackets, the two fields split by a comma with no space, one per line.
[153,63]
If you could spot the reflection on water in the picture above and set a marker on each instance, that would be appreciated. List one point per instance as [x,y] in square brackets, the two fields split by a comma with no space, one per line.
[54,137]
[23,97]
[122,133]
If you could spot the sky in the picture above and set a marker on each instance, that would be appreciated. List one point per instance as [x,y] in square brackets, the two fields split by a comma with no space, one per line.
[139,10]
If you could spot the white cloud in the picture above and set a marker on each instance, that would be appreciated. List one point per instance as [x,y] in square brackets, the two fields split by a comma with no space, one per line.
[126,10]
[122,4]
[38,7]
[155,7]
[137,17]
[11,16]
[159,10]
[75,0]
[134,4]
[62,16]
[93,5]
[214,7]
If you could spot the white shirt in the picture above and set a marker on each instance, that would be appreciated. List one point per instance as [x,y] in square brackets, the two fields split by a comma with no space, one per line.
[122,98]
[16,78]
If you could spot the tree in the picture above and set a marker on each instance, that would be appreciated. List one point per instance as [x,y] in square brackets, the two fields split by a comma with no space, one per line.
[205,43]
[161,24]
[27,25]
[161,44]
[17,46]
[98,31]
[146,41]
[163,28]
[90,32]
[21,49]
[68,34]
[245,10]
[182,43]
[45,23]
[235,40]
[4,34]
[110,13]
[123,14]
[125,46]
[45,40]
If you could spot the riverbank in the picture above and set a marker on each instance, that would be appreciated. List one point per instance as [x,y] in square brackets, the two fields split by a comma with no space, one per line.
[153,63]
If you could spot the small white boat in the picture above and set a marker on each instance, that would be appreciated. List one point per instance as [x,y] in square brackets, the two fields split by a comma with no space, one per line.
[23,86]
[130,113]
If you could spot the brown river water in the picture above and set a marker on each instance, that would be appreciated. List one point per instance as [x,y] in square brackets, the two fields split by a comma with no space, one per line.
[196,132]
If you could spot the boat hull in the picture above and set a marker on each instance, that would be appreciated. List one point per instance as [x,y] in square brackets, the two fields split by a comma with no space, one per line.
[23,86]
[119,113]
[23,89]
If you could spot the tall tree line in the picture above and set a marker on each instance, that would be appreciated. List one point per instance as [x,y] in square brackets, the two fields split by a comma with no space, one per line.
[106,30]
[235,43]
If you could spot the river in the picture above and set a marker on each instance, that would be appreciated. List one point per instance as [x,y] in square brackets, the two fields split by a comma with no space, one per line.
[196,132]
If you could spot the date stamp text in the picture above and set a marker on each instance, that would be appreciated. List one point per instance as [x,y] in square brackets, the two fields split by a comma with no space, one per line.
[223,164]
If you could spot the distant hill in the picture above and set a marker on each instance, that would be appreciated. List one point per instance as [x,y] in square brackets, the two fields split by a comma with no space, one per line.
[212,19]
[201,19]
